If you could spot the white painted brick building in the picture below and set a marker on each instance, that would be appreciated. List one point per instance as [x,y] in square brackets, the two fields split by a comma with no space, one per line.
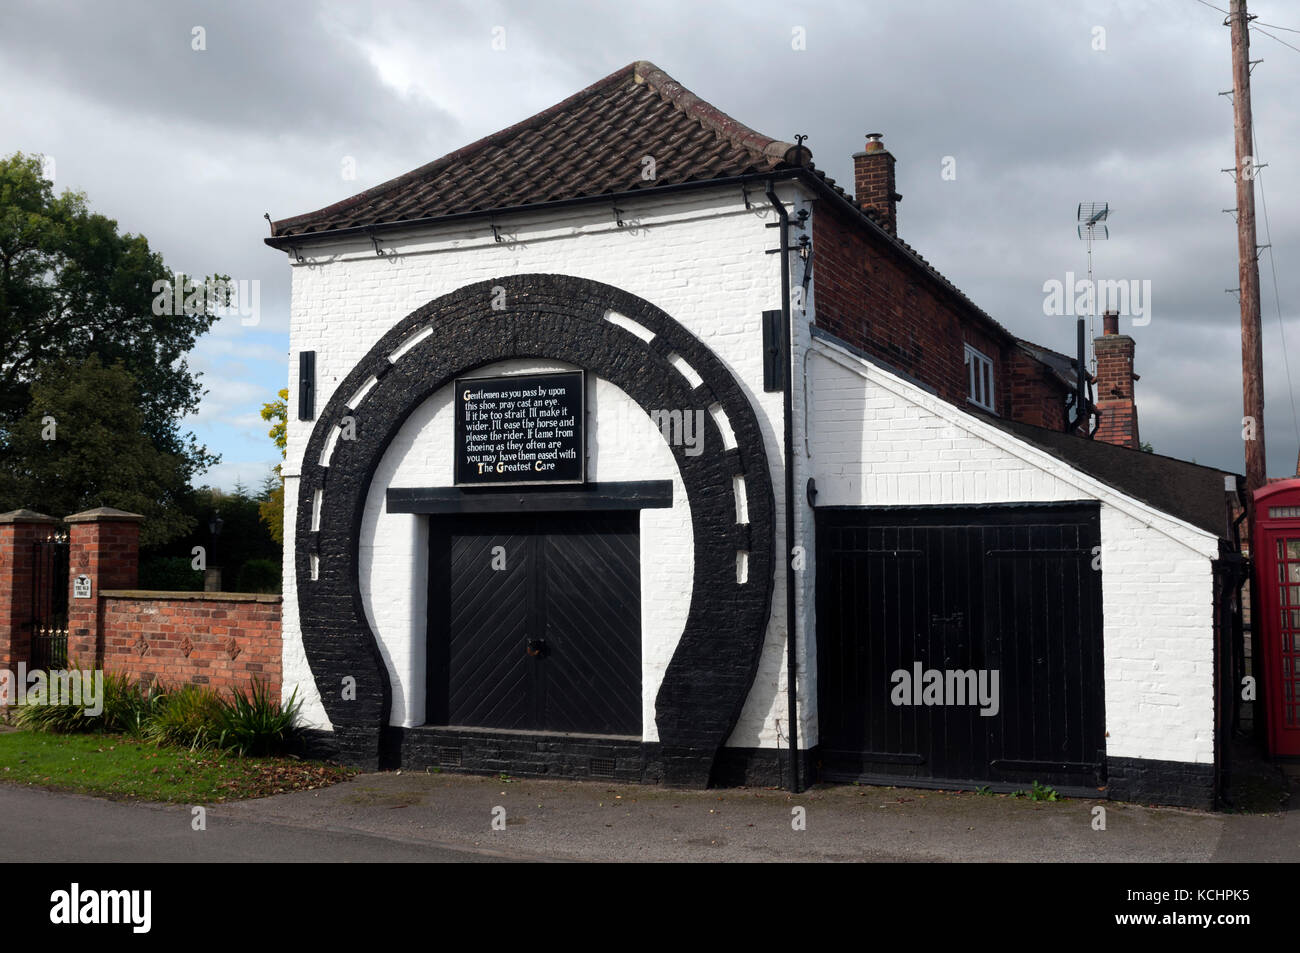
[670,290]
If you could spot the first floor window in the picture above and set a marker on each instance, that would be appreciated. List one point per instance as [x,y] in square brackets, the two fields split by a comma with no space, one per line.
[979,378]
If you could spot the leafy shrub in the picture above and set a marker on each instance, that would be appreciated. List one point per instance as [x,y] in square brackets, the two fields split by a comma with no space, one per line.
[188,717]
[58,719]
[121,699]
[129,706]
[249,721]
[254,722]
[170,574]
[260,575]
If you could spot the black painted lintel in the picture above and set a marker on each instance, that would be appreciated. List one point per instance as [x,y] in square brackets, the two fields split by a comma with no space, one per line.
[632,495]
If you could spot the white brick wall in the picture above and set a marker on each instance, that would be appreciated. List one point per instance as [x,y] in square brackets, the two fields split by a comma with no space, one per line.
[878,440]
[871,438]
[700,257]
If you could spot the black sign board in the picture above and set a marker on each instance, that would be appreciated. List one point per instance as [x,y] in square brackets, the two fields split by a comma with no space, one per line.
[524,429]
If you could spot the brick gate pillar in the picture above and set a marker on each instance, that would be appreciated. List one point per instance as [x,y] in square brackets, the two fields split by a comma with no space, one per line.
[19,531]
[103,546]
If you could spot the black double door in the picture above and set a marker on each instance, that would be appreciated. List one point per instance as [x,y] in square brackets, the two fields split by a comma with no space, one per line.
[1009,590]
[535,622]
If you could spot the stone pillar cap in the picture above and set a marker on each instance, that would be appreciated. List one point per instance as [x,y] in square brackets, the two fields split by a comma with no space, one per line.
[104,514]
[26,516]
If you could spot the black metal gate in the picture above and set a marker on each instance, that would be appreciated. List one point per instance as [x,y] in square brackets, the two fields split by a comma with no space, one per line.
[49,621]
[535,622]
[961,644]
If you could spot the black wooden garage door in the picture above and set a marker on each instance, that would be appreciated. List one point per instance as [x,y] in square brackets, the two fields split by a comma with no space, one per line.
[535,622]
[958,591]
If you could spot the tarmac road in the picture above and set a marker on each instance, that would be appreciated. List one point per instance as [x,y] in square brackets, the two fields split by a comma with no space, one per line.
[450,818]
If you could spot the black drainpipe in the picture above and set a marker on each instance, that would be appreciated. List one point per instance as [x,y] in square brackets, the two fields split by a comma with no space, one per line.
[791,667]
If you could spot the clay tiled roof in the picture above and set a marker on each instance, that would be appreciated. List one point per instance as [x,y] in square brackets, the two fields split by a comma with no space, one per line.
[589,145]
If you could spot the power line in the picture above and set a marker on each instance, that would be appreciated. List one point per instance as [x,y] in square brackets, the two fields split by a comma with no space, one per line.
[1256,28]
[1277,297]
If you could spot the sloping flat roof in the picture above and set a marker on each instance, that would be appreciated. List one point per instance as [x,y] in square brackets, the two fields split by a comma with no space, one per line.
[1193,493]
[1186,491]
[1064,367]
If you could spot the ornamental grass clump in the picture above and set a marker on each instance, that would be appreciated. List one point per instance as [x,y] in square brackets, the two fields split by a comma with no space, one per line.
[253,722]
[129,706]
[247,721]
[188,717]
[126,707]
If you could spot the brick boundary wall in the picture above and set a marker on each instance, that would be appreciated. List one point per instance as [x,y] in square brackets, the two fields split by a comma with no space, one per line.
[220,639]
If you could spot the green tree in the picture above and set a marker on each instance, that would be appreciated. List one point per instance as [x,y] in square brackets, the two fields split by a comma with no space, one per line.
[271,509]
[72,286]
[83,443]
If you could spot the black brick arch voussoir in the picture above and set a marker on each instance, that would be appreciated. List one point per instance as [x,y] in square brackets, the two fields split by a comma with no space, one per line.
[559,318]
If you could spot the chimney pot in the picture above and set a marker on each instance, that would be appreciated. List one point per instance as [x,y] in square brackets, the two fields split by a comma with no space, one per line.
[1110,323]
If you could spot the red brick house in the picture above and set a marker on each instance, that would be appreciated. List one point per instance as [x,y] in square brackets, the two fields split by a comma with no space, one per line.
[923,326]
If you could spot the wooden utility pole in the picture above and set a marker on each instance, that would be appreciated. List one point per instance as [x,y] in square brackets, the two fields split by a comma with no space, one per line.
[1252,357]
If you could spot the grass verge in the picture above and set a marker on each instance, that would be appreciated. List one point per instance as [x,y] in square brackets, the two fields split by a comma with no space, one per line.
[122,768]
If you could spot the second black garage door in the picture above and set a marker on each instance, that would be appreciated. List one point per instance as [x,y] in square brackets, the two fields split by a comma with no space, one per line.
[963,592]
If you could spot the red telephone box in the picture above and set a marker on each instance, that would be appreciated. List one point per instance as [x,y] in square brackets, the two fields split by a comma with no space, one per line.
[1276,553]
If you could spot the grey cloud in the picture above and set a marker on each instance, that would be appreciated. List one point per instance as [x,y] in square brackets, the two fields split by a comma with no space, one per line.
[1036,119]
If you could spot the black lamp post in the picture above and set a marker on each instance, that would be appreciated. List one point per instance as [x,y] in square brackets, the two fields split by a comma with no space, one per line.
[212,578]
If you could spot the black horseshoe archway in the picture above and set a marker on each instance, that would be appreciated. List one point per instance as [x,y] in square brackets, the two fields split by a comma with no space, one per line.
[560,318]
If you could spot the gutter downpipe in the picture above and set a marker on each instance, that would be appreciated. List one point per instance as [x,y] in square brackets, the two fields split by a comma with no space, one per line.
[791,659]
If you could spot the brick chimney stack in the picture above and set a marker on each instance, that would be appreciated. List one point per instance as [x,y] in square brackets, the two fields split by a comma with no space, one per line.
[873,182]
[1115,377]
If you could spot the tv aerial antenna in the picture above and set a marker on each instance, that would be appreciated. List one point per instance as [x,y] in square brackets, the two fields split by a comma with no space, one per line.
[1091,225]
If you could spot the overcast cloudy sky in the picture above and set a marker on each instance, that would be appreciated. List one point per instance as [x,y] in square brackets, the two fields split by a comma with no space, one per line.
[190,148]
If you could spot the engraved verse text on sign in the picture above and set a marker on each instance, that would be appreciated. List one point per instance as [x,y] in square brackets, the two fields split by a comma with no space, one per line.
[524,429]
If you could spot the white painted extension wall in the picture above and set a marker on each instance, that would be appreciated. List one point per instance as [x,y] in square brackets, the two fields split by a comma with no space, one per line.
[879,440]
[698,256]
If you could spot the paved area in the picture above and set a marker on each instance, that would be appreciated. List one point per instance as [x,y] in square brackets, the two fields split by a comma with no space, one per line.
[443,817]
[52,827]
